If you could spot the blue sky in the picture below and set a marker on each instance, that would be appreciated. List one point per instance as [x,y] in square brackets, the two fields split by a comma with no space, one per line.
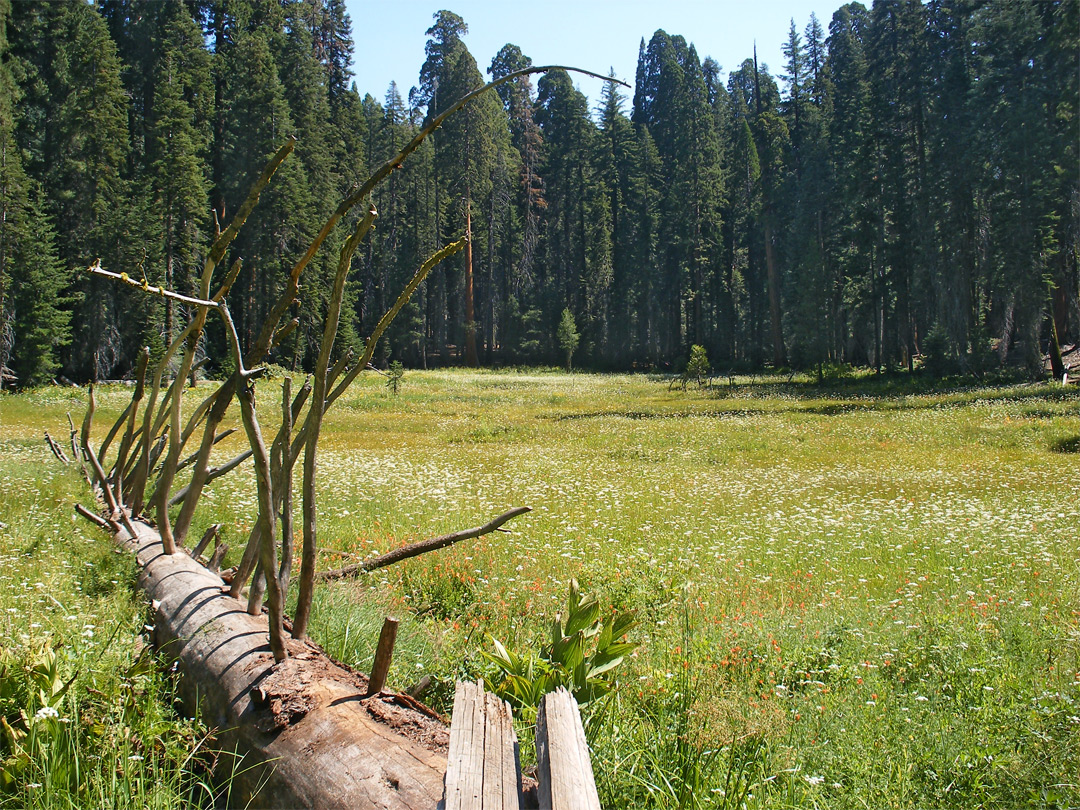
[591,34]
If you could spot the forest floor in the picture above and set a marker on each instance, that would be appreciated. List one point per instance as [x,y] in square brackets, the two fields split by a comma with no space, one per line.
[864,594]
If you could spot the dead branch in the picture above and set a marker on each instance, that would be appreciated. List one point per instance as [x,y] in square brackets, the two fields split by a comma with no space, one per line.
[284,332]
[212,474]
[95,519]
[341,364]
[187,462]
[220,550]
[266,519]
[99,474]
[208,535]
[97,270]
[196,418]
[57,450]
[245,374]
[120,467]
[88,420]
[119,423]
[283,483]
[422,547]
[74,440]
[247,560]
[313,424]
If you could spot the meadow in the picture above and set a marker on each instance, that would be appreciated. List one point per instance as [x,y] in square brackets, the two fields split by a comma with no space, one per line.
[859,595]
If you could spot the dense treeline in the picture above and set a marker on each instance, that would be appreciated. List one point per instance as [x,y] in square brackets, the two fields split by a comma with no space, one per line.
[907,189]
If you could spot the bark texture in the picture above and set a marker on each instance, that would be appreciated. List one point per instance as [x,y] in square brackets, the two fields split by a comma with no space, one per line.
[308,736]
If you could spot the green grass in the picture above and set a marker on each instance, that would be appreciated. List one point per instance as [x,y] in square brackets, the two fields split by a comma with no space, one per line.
[87,715]
[859,595]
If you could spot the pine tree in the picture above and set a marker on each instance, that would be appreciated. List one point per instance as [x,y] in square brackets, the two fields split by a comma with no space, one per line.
[853,172]
[562,113]
[178,140]
[42,315]
[74,128]
[1014,93]
[256,124]
[34,315]
[518,100]
[897,42]
[465,153]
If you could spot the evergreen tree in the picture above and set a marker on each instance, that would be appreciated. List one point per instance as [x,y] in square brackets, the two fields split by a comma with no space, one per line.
[42,317]
[34,315]
[256,124]
[518,100]
[465,154]
[75,130]
[178,140]
[1014,95]
[577,276]
[897,37]
[853,172]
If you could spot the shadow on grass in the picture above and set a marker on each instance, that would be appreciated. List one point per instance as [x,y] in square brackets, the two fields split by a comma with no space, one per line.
[780,394]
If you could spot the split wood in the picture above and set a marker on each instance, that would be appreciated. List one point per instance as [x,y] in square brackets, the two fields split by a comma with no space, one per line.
[384,653]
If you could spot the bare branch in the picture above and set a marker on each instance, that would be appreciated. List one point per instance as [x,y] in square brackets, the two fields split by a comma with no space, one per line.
[208,535]
[88,419]
[130,433]
[57,450]
[97,520]
[410,288]
[313,424]
[266,520]
[97,270]
[187,462]
[212,474]
[234,342]
[422,547]
[283,484]
[284,332]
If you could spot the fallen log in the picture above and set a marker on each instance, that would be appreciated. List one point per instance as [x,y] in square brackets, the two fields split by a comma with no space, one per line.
[307,735]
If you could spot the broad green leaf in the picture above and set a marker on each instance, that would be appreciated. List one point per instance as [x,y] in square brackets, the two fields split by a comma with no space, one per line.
[603,663]
[583,616]
[605,634]
[569,652]
[623,624]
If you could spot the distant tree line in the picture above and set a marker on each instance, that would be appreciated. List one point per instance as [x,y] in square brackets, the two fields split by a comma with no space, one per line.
[905,190]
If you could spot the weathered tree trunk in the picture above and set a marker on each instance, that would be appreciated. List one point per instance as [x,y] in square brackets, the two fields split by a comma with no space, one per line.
[304,725]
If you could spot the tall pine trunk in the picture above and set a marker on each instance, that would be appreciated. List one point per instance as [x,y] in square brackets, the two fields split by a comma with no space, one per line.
[470,306]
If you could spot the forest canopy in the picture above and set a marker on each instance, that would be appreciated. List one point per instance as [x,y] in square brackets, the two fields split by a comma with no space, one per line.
[904,192]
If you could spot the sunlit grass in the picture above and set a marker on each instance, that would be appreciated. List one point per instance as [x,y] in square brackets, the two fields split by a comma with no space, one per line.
[87,714]
[880,580]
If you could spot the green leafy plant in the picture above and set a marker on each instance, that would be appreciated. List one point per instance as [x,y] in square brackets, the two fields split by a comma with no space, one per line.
[583,657]
[30,691]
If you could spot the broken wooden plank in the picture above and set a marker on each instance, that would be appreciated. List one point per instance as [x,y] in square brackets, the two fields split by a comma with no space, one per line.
[482,771]
[384,652]
[564,769]
[502,771]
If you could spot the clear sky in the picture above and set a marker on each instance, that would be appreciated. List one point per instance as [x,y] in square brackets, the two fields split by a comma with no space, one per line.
[591,34]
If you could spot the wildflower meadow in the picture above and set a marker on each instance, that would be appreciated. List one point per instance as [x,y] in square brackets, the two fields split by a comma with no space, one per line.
[847,596]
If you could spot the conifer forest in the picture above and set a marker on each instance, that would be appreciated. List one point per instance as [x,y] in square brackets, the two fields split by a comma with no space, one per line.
[902,192]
